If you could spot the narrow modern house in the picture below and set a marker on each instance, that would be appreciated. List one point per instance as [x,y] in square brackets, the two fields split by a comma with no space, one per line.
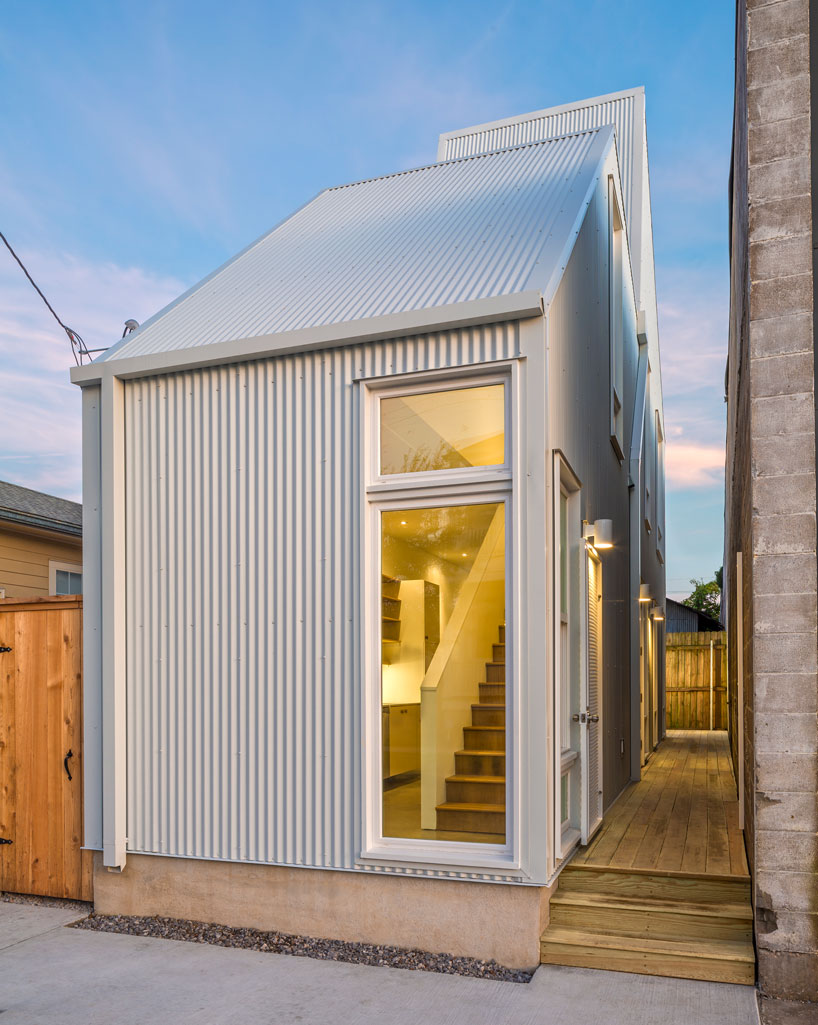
[374,566]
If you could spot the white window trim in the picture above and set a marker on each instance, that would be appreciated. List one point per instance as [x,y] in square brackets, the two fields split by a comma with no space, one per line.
[471,486]
[616,319]
[565,482]
[54,567]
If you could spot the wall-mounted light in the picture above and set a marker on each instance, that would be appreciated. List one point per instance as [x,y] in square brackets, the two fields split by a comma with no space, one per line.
[644,592]
[598,534]
[657,614]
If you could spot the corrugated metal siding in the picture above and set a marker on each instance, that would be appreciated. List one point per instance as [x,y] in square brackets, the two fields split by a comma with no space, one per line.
[471,229]
[243,563]
[620,111]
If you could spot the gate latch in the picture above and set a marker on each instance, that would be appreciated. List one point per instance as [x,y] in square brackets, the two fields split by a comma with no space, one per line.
[4,840]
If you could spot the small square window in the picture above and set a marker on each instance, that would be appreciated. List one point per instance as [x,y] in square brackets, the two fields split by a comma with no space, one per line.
[68,582]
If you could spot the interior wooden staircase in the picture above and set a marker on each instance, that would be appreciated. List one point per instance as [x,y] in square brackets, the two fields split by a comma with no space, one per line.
[476,793]
[652,923]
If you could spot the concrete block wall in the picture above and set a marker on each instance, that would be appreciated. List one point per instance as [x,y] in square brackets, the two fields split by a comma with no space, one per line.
[781,618]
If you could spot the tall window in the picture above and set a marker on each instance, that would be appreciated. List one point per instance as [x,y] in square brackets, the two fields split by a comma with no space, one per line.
[659,486]
[439,493]
[616,326]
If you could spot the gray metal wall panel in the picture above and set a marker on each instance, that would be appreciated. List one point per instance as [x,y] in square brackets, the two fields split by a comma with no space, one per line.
[447,233]
[243,665]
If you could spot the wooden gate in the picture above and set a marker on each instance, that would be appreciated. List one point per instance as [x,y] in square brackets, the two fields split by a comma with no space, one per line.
[41,748]
[696,681]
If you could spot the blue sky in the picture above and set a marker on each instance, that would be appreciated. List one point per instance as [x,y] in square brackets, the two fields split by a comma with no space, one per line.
[145,142]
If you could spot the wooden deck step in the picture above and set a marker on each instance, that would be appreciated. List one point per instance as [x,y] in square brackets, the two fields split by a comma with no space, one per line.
[634,882]
[651,916]
[480,763]
[707,959]
[472,818]
[475,789]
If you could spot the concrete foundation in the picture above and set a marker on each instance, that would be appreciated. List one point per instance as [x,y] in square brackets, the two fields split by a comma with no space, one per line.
[470,919]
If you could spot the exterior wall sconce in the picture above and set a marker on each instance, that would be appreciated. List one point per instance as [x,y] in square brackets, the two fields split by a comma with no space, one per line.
[598,534]
[644,592]
[657,614]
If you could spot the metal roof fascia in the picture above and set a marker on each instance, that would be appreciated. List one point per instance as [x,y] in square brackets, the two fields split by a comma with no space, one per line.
[517,306]
[600,151]
[504,122]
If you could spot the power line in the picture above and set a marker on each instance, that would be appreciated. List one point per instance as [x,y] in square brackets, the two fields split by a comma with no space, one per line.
[78,346]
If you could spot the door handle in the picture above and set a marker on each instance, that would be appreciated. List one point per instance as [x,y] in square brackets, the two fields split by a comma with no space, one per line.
[65,764]
[593,718]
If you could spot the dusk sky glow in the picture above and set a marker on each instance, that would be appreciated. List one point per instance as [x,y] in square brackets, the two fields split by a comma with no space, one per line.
[145,143]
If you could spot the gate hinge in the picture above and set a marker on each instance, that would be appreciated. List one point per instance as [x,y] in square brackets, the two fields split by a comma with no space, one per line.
[3,649]
[4,840]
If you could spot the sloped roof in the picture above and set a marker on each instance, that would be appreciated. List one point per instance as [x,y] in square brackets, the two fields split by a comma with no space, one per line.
[625,110]
[486,226]
[34,509]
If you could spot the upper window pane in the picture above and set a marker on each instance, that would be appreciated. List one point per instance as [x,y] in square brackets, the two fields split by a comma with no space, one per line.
[443,430]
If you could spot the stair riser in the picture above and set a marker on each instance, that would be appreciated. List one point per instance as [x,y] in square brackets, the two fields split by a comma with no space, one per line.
[475,793]
[498,652]
[676,967]
[390,588]
[391,607]
[495,673]
[484,740]
[480,765]
[493,693]
[472,821]
[502,635]
[488,716]
[694,890]
[662,925]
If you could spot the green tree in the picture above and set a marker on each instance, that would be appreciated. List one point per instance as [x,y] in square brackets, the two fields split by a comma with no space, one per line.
[706,595]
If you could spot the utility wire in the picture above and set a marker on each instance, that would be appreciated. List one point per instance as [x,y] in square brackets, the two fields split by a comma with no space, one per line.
[78,346]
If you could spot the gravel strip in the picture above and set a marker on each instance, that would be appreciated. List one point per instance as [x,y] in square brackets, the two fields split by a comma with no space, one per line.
[80,906]
[302,946]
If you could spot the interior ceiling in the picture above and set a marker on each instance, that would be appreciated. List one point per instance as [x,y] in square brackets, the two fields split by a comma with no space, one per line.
[444,532]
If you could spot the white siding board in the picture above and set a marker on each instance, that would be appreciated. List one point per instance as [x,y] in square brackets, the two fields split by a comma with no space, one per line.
[243,663]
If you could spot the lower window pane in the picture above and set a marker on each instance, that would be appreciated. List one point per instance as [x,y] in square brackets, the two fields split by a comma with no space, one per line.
[443,680]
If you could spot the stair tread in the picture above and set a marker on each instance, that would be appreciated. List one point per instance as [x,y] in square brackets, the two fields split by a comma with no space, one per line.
[460,778]
[705,949]
[582,898]
[491,663]
[490,704]
[484,727]
[473,751]
[455,806]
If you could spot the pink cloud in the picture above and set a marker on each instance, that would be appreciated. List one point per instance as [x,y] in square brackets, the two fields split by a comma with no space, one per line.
[690,464]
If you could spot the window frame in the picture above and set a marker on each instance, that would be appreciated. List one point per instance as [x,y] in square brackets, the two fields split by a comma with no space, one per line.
[435,489]
[55,566]
[616,319]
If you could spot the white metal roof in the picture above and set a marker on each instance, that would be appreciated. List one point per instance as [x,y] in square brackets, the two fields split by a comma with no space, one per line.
[473,228]
[625,110]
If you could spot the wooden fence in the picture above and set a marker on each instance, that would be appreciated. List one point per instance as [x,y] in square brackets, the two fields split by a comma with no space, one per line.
[696,681]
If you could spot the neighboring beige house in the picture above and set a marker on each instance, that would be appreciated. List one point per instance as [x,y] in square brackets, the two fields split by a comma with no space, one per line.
[40,544]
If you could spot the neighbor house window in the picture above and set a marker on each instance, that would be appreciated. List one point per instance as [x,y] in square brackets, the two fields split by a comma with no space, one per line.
[659,486]
[616,325]
[64,578]
[439,497]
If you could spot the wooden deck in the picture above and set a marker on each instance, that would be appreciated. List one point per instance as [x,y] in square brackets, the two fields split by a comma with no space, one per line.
[682,817]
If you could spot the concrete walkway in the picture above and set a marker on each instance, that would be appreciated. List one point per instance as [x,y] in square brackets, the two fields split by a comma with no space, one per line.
[50,975]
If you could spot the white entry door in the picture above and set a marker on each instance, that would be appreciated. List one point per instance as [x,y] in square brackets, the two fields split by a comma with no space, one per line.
[591,712]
